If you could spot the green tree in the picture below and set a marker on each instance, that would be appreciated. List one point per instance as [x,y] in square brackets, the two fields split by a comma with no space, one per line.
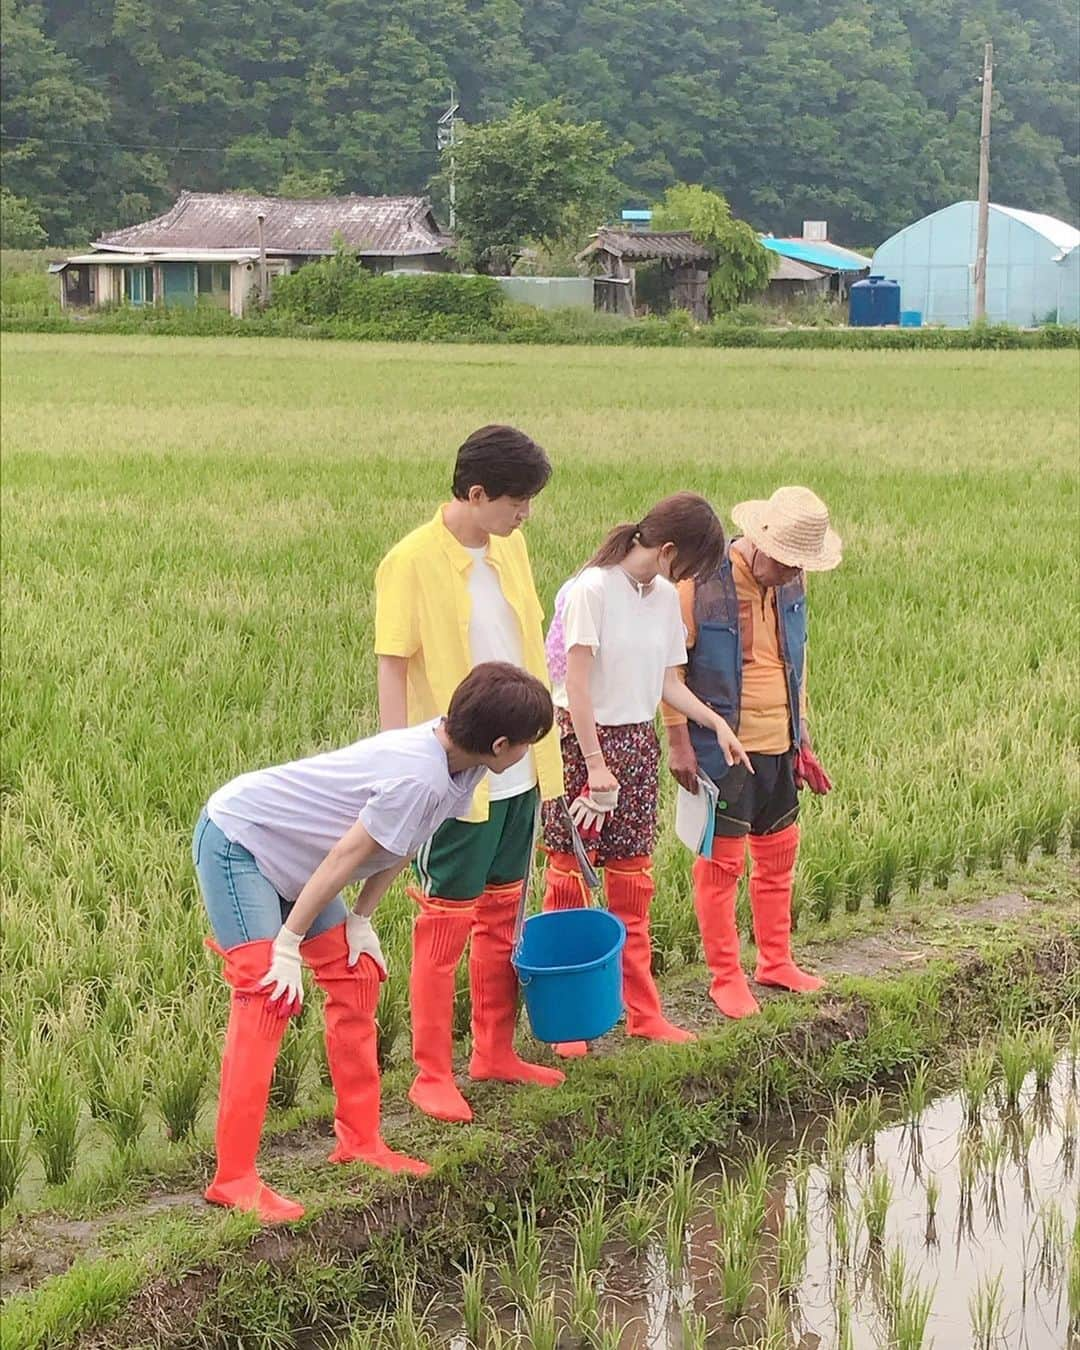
[20,224]
[528,176]
[741,265]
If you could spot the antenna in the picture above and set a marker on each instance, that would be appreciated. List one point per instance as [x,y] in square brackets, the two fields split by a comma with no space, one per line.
[445,140]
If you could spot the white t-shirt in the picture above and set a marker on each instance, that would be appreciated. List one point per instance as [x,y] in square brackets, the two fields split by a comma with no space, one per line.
[635,634]
[291,816]
[495,635]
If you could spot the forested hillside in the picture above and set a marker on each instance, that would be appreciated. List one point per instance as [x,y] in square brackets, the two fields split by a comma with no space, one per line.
[863,112]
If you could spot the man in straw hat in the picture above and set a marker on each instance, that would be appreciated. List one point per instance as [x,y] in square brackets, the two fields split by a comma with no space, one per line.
[746,641]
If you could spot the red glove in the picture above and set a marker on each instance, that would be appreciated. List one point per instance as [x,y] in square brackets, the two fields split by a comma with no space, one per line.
[809,773]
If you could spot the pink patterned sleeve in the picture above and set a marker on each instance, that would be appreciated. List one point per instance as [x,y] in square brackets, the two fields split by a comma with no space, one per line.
[555,643]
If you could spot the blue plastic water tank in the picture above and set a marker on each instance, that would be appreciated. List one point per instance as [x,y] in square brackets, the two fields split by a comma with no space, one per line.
[874,303]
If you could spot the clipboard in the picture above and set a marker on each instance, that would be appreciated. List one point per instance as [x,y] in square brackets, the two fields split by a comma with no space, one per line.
[695,816]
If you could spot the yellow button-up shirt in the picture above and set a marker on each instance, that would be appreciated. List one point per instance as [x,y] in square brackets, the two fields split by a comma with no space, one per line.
[422,611]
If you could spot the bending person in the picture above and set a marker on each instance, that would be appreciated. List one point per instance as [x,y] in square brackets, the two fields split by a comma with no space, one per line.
[746,631]
[618,644]
[273,850]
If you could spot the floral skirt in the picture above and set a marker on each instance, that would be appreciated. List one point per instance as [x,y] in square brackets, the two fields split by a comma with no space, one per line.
[632,753]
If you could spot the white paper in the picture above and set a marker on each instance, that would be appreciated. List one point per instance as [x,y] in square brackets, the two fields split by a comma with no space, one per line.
[695,813]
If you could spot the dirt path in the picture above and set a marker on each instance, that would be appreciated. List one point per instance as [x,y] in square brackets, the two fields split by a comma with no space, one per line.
[47,1244]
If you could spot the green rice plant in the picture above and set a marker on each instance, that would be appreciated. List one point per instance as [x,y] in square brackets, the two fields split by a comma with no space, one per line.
[792,1249]
[638,1218]
[869,1116]
[1074,1048]
[841,1228]
[180,1079]
[14,1149]
[693,1329]
[473,1295]
[977,1070]
[1043,1049]
[592,1231]
[1052,1244]
[1070,1128]
[933,1195]
[55,1112]
[986,1312]
[774,1333]
[894,1281]
[391,1018]
[844,1331]
[1072,1279]
[1014,1057]
[798,1169]
[541,1323]
[609,1336]
[876,1198]
[911,1317]
[584,1299]
[462,1019]
[682,1191]
[757,1174]
[520,1273]
[125,1093]
[916,1094]
[291,1061]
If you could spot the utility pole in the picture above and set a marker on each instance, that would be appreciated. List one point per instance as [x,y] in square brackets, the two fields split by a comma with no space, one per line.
[445,140]
[984,184]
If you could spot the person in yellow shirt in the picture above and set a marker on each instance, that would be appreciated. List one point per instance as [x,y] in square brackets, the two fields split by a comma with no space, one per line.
[456,592]
[746,645]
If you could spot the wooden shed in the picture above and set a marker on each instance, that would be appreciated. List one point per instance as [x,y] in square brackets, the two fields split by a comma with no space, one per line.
[614,255]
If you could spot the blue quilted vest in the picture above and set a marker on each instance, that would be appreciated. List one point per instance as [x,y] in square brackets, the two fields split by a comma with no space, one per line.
[714,668]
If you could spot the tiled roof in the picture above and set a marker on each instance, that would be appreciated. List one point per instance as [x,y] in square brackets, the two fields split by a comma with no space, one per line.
[678,246]
[378,226]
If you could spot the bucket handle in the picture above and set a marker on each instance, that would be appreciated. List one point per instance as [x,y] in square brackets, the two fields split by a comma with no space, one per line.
[589,874]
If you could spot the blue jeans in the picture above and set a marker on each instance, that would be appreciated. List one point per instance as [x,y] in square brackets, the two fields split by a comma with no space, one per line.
[242,905]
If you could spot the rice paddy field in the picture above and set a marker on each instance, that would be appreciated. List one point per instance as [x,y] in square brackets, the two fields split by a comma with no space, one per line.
[190,533]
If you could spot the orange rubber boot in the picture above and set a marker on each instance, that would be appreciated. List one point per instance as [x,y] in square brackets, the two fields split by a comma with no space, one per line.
[773,859]
[565,889]
[352,993]
[247,1066]
[716,882]
[495,994]
[440,933]
[630,891]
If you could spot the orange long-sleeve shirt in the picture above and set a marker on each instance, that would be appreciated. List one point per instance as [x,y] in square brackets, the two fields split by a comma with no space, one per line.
[764,723]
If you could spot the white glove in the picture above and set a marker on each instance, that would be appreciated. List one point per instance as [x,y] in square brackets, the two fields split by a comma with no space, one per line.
[589,810]
[285,972]
[364,941]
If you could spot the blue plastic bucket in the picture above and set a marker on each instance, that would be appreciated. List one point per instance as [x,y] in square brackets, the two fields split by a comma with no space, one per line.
[569,963]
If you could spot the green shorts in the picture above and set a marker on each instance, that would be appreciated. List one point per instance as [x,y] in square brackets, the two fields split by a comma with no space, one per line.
[463,857]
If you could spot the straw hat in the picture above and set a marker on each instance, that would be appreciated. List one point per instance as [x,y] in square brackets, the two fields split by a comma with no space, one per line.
[792,527]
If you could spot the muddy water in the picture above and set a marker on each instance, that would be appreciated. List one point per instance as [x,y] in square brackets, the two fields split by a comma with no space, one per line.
[1002,1221]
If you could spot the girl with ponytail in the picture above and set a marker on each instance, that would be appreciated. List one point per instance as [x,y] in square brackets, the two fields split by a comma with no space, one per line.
[615,649]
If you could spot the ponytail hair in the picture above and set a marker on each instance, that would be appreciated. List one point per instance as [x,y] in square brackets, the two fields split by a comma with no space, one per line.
[685,520]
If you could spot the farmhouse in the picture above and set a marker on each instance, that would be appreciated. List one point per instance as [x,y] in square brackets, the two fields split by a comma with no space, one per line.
[679,269]
[225,248]
[812,265]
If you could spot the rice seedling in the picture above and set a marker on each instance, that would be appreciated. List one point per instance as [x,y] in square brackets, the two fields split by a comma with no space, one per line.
[55,1111]
[756,1176]
[638,1218]
[844,1331]
[737,1266]
[977,1069]
[693,1329]
[792,1249]
[473,1295]
[1052,1244]
[584,1299]
[1043,1049]
[933,1195]
[520,1272]
[1072,1278]
[774,1333]
[840,1220]
[916,1094]
[14,1149]
[124,1102]
[1014,1057]
[1070,1127]
[910,1318]
[1074,1049]
[876,1198]
[592,1231]
[541,1320]
[681,1202]
[798,1168]
[986,1311]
